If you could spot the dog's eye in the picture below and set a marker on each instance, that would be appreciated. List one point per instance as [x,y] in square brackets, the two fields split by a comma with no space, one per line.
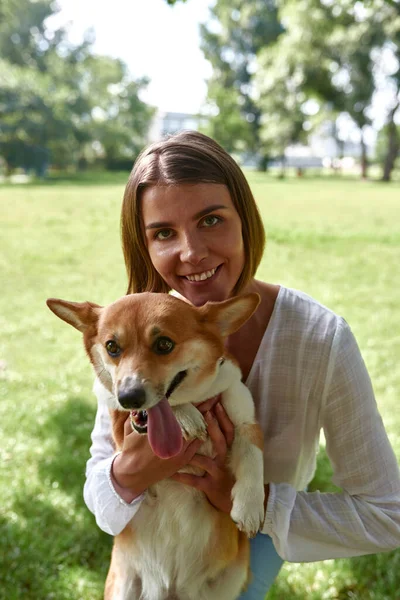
[112,348]
[163,345]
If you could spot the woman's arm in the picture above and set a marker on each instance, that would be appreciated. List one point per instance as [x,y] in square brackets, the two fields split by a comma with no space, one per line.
[112,512]
[365,517]
[116,483]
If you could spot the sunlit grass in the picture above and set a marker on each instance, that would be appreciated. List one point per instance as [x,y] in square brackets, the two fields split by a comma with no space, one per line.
[337,240]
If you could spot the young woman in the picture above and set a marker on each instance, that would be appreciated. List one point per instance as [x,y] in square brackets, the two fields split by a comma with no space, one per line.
[190,224]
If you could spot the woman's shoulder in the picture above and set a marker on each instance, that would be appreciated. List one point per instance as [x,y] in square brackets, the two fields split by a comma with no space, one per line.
[297,311]
[292,298]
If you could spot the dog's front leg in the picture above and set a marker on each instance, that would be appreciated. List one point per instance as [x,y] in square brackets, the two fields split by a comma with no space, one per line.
[246,460]
[123,582]
[191,421]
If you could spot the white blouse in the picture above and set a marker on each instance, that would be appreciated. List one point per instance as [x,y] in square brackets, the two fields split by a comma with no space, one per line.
[308,375]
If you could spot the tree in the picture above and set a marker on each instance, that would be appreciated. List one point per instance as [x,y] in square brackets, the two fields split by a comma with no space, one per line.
[392,143]
[291,80]
[280,101]
[391,22]
[331,47]
[32,113]
[27,97]
[105,108]
[52,93]
[237,30]
[381,153]
[121,119]
[227,125]
[351,49]
[24,39]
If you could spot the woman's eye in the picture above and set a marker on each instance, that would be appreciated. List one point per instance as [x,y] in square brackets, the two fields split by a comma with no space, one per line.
[163,345]
[163,234]
[112,348]
[211,220]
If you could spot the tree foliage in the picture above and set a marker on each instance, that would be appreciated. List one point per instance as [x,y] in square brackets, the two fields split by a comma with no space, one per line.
[281,69]
[326,56]
[391,24]
[59,102]
[235,33]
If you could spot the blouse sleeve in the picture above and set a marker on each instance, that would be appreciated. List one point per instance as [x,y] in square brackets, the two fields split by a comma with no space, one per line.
[111,511]
[365,517]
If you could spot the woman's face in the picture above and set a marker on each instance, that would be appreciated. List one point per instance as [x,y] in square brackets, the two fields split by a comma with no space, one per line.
[194,238]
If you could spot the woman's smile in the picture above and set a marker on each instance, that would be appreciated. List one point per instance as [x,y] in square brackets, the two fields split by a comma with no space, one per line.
[201,276]
[194,238]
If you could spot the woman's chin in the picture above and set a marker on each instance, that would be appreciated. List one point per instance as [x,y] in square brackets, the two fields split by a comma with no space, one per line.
[200,297]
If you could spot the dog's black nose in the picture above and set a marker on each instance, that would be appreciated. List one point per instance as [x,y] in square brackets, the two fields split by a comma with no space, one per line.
[133,397]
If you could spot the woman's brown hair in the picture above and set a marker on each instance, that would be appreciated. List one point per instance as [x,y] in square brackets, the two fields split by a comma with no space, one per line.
[187,157]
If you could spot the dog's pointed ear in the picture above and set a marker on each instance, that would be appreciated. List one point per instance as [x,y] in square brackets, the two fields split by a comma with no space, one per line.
[231,314]
[78,314]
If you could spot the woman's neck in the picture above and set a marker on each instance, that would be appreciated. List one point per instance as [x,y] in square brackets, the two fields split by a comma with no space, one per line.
[244,343]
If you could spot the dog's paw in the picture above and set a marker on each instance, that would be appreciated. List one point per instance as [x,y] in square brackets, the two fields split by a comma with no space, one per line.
[191,421]
[248,508]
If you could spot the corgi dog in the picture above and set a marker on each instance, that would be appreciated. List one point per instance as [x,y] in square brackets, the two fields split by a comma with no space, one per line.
[159,357]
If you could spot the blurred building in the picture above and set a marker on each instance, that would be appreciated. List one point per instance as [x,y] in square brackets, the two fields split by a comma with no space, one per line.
[168,123]
[323,147]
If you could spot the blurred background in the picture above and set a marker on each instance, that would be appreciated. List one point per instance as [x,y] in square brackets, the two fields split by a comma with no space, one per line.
[307,84]
[305,95]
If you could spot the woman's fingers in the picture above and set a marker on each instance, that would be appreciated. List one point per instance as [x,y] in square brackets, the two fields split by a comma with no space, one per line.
[205,463]
[216,436]
[189,450]
[128,426]
[203,407]
[216,482]
[225,424]
[199,483]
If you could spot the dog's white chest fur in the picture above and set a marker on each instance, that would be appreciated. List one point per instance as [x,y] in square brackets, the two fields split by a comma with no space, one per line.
[147,348]
[174,530]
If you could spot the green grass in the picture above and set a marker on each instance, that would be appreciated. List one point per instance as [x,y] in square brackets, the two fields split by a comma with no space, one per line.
[337,240]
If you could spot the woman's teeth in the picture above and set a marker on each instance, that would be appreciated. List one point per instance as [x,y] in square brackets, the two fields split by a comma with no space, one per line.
[201,276]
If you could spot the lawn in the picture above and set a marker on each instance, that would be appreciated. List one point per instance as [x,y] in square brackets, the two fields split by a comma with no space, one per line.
[338,240]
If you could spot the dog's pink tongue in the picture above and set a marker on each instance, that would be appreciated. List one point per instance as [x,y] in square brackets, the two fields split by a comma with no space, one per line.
[163,430]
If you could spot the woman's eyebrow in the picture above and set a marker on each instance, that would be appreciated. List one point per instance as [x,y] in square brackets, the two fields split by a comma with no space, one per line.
[209,209]
[202,213]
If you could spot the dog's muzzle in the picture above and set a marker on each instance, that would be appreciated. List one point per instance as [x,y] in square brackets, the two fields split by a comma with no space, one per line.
[132,398]
[139,420]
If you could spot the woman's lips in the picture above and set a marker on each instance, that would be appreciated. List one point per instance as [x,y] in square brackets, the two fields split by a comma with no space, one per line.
[203,277]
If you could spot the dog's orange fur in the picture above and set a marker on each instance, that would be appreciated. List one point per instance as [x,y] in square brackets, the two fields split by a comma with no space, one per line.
[144,325]
[254,434]
[118,419]
[229,546]
[142,322]
[113,581]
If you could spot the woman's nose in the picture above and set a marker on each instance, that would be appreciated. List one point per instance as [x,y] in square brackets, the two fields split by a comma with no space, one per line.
[193,250]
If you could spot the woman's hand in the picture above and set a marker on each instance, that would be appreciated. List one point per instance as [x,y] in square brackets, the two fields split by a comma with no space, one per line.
[217,481]
[137,467]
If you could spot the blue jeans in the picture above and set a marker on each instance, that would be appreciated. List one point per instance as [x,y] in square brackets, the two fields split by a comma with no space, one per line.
[265,565]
